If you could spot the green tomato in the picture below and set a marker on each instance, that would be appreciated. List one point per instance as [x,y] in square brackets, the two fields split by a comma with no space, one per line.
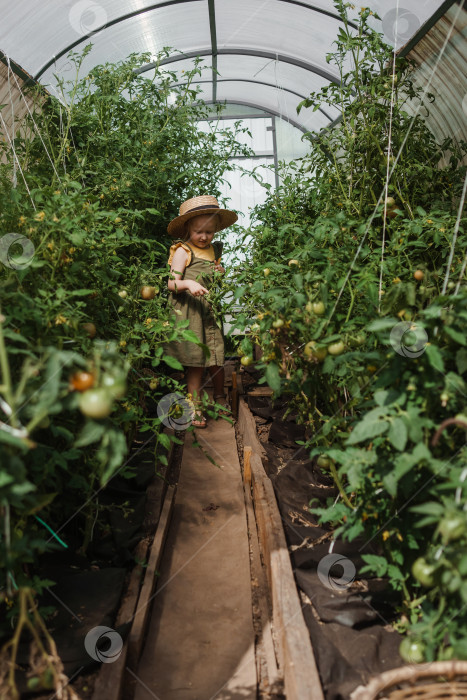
[319,308]
[446,654]
[266,271]
[95,403]
[336,348]
[452,526]
[47,679]
[255,327]
[324,462]
[413,652]
[424,572]
[33,683]
[360,339]
[313,351]
[293,262]
[123,293]
[246,360]
[115,385]
[309,307]
[278,323]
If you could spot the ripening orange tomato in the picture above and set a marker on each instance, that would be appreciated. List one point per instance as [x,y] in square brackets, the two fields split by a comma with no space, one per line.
[80,381]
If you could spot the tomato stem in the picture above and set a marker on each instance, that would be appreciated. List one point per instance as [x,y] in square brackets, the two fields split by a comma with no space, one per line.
[338,483]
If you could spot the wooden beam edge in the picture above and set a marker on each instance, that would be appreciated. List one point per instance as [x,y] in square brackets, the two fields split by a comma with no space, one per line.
[140,620]
[301,675]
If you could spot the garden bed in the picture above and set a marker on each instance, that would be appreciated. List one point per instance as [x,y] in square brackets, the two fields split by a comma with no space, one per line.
[349,627]
[103,587]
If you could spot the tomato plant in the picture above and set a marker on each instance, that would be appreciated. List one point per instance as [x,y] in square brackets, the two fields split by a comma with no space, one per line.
[377,377]
[113,163]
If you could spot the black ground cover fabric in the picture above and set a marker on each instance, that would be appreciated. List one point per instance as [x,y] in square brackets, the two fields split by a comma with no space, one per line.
[349,628]
[87,588]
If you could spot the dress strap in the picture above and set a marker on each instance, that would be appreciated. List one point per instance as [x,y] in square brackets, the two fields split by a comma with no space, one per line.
[217,245]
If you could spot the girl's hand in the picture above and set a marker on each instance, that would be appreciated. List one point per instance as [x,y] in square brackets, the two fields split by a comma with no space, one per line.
[218,267]
[195,288]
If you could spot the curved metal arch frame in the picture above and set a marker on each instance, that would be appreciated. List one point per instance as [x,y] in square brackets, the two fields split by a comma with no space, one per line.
[260,82]
[244,52]
[214,50]
[267,112]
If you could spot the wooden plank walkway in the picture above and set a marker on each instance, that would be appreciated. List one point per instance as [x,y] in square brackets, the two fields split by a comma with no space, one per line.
[200,642]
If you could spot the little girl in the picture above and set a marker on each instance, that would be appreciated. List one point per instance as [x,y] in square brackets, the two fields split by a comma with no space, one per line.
[193,259]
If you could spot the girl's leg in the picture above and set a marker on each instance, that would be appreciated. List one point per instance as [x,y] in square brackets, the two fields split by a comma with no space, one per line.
[217,376]
[194,376]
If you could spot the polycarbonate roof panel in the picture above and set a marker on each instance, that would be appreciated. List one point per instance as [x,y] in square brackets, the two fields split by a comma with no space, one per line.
[284,42]
[276,101]
[284,76]
[277,27]
[33,32]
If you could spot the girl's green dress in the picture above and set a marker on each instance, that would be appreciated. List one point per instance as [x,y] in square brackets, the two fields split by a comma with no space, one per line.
[198,312]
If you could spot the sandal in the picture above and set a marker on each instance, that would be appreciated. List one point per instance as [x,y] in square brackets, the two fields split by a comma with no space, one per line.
[198,421]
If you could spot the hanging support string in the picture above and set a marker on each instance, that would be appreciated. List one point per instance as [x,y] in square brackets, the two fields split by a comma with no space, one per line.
[435,68]
[454,241]
[12,105]
[36,128]
[16,159]
[388,166]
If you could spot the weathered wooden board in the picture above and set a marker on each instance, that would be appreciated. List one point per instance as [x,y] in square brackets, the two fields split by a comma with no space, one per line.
[141,617]
[270,679]
[296,658]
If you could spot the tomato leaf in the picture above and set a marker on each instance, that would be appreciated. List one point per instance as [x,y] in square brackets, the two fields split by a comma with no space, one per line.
[435,357]
[374,564]
[91,432]
[172,362]
[273,377]
[455,335]
[461,361]
[369,427]
[397,434]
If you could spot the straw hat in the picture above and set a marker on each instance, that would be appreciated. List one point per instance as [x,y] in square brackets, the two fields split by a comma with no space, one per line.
[196,206]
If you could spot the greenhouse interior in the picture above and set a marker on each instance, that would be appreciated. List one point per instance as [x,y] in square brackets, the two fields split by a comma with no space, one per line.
[233,350]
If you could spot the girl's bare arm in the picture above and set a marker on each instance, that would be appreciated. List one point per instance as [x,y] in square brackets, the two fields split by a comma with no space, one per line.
[177,268]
